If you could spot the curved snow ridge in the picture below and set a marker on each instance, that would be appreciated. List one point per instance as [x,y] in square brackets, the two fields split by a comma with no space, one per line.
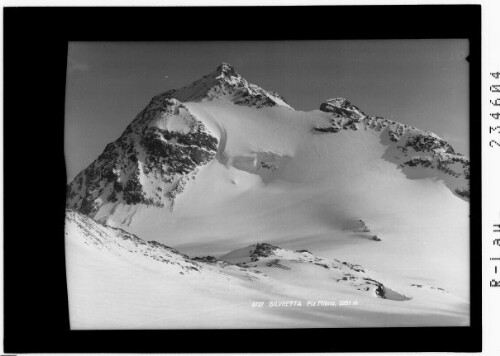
[267,258]
[114,241]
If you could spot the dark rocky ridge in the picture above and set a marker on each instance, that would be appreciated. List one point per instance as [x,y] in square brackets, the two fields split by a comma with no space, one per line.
[341,107]
[145,153]
[415,147]
[262,250]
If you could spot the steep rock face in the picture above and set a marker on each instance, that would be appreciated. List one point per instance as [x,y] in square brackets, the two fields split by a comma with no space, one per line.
[150,162]
[408,146]
[225,83]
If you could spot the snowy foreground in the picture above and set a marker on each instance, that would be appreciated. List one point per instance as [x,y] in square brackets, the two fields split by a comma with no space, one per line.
[223,165]
[117,280]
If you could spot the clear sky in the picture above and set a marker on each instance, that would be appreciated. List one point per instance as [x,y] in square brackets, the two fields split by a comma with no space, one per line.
[423,83]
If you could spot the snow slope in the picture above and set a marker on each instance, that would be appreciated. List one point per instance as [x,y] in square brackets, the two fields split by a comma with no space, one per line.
[222,164]
[117,280]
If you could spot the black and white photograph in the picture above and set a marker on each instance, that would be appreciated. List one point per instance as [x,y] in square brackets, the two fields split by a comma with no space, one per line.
[298,184]
[216,178]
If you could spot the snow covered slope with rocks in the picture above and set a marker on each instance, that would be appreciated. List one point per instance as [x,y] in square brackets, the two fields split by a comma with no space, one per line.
[163,147]
[222,163]
[117,280]
[168,141]
[409,146]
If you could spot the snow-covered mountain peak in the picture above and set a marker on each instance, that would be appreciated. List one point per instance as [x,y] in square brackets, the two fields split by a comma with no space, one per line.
[181,131]
[225,69]
[225,84]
